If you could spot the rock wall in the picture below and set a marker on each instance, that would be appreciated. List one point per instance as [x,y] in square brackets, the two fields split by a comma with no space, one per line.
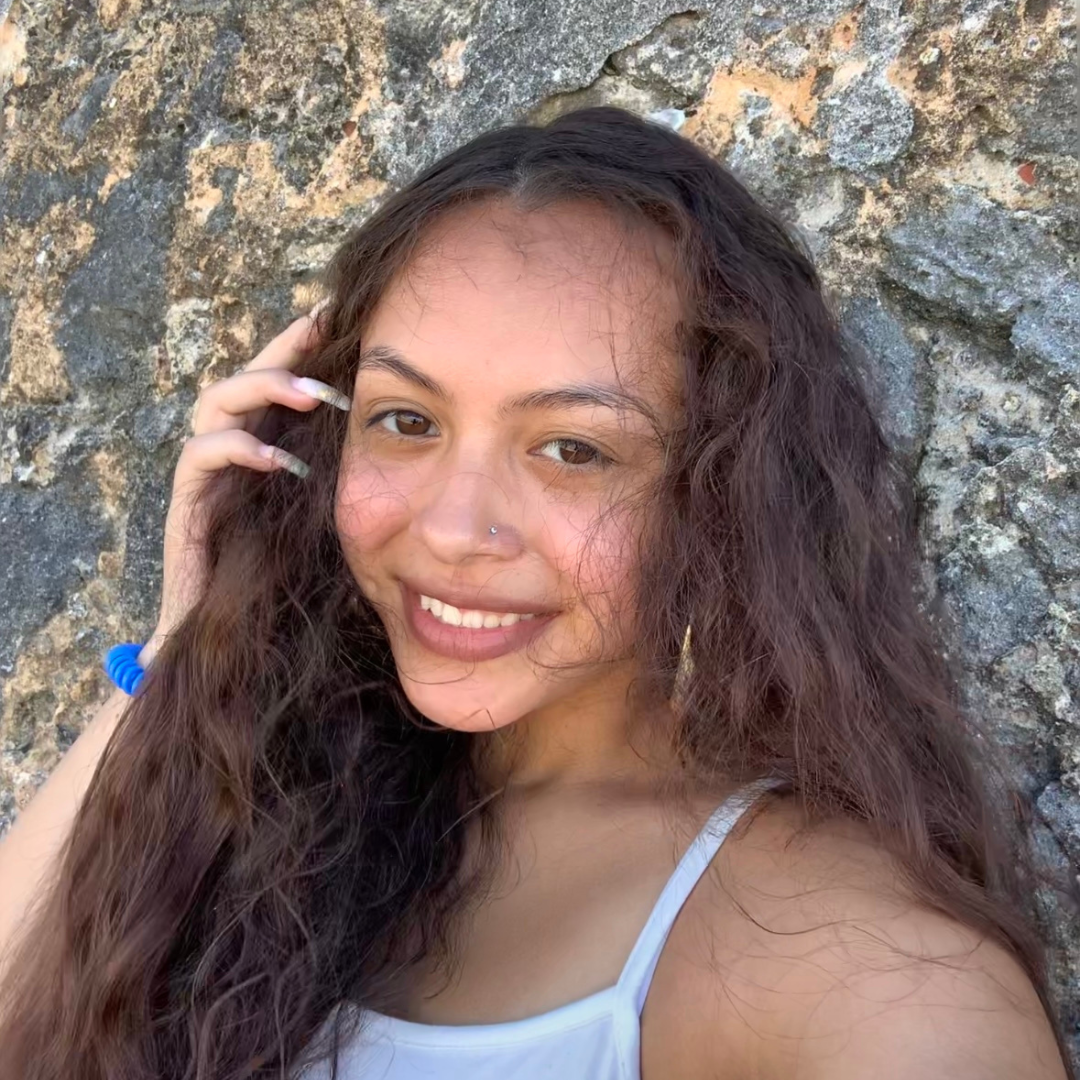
[173,174]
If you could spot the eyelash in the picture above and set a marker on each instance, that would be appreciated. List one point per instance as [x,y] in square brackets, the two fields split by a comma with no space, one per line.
[602,461]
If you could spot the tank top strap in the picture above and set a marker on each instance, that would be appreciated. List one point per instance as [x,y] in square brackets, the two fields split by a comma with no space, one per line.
[637,974]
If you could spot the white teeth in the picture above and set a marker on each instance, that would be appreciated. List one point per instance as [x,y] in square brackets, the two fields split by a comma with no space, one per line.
[473,620]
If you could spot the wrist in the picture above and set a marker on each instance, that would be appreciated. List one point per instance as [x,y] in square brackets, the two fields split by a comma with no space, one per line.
[149,650]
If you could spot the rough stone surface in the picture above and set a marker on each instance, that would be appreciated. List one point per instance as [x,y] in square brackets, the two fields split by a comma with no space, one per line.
[174,174]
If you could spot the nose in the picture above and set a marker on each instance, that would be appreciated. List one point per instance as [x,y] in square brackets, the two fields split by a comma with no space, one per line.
[455,516]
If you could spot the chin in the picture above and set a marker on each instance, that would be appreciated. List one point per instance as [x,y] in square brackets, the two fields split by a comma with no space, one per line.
[458,708]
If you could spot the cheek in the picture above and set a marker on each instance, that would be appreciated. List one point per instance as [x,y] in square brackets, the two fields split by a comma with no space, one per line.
[597,557]
[372,505]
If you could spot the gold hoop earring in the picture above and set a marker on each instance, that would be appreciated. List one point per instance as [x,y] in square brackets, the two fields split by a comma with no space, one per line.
[685,668]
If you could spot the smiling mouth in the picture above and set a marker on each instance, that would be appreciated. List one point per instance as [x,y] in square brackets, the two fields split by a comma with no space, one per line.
[470,619]
[469,634]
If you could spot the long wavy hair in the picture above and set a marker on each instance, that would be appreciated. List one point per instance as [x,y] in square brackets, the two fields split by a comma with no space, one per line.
[274,831]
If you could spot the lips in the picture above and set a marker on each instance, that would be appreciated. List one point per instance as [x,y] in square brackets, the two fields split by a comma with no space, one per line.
[468,643]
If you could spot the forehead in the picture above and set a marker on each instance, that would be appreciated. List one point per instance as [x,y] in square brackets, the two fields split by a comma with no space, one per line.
[566,291]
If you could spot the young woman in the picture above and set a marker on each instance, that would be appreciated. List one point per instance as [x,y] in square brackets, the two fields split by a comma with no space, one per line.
[604,560]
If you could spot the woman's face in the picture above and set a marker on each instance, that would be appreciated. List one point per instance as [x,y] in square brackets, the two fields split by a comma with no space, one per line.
[520,374]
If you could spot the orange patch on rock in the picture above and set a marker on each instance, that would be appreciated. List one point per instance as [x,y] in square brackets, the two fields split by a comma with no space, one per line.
[12,50]
[792,98]
[843,33]
[113,12]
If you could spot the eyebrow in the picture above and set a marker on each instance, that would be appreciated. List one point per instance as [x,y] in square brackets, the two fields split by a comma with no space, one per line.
[385,358]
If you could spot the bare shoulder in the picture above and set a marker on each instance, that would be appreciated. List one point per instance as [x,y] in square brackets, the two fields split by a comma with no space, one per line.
[801,955]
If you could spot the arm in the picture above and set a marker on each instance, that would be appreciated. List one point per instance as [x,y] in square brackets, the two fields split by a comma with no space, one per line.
[28,852]
[978,1018]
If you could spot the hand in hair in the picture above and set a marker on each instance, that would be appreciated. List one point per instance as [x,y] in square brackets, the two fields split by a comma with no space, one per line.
[226,415]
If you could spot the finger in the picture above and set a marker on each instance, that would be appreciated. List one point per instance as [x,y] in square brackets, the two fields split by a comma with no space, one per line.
[285,350]
[229,402]
[203,455]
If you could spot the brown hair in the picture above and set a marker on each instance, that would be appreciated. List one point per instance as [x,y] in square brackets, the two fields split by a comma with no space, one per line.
[272,829]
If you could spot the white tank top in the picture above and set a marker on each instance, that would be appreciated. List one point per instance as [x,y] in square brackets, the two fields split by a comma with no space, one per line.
[594,1038]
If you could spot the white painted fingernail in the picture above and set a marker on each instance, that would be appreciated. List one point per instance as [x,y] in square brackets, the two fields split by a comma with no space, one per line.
[318,307]
[322,392]
[285,460]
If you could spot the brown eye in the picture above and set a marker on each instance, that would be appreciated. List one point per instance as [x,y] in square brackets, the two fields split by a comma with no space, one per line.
[410,423]
[578,454]
[405,422]
[572,452]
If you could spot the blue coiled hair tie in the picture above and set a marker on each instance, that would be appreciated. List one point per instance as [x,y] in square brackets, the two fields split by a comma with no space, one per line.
[122,666]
